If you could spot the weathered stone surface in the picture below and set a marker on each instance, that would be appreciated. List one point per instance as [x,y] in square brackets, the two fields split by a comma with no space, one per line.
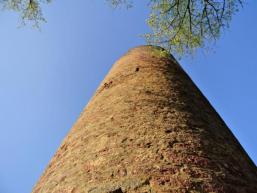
[149,129]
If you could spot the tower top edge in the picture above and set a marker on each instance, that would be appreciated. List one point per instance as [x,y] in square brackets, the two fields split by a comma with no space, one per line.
[157,51]
[147,47]
[153,49]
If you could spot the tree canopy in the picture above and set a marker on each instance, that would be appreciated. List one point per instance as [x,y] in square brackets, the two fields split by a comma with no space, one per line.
[184,25]
[180,26]
[29,10]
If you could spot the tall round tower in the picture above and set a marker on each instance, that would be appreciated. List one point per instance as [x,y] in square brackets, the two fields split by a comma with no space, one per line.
[148,129]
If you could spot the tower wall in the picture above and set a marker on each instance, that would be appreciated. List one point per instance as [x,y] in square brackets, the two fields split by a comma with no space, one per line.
[148,129]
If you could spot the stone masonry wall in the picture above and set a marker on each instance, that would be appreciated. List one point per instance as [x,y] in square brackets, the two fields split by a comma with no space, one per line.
[148,129]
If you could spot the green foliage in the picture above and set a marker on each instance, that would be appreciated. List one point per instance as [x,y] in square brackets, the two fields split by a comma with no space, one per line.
[30,10]
[160,53]
[117,3]
[182,26]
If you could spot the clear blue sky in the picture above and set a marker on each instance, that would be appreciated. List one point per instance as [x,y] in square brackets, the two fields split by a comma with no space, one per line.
[47,77]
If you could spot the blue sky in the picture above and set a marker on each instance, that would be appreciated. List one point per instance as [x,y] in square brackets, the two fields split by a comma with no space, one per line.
[48,76]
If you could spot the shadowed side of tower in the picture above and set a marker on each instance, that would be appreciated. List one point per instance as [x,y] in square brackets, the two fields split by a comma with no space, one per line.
[149,129]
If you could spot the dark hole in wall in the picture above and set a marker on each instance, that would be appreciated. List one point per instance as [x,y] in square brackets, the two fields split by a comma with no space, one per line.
[119,190]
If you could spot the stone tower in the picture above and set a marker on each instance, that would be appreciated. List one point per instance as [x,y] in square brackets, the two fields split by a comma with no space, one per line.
[149,129]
